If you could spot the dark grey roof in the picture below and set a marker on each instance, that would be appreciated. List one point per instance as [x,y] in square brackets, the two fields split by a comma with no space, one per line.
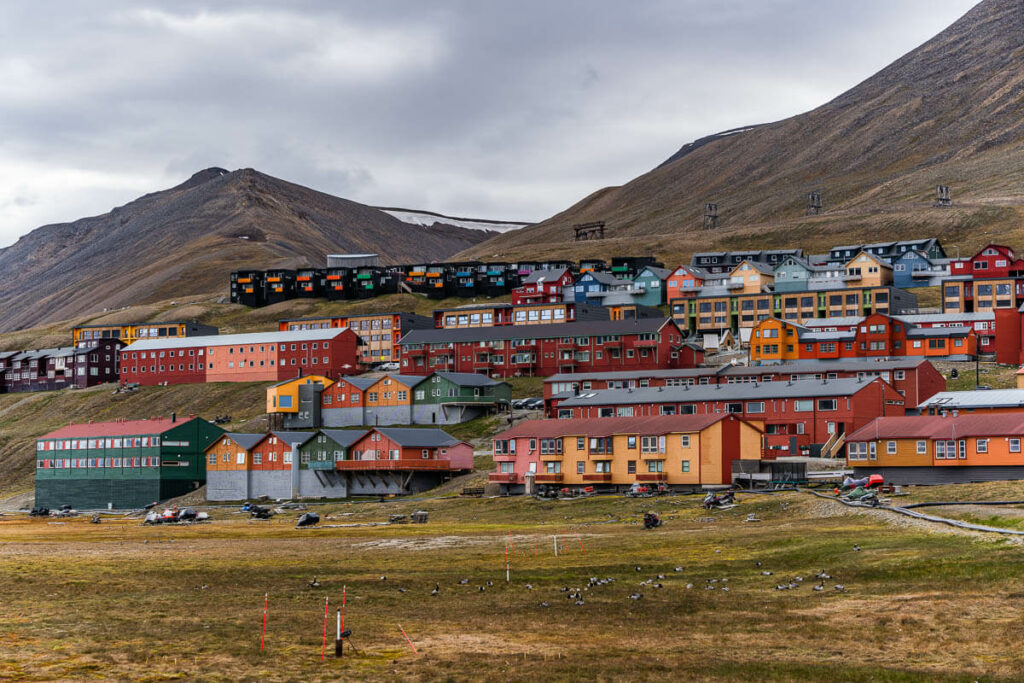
[293,437]
[939,332]
[544,275]
[246,441]
[587,328]
[720,392]
[468,379]
[660,273]
[361,383]
[601,277]
[759,266]
[415,438]
[344,437]
[629,374]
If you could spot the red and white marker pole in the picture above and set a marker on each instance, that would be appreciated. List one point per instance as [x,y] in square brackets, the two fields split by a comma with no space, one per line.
[263,632]
[407,639]
[323,648]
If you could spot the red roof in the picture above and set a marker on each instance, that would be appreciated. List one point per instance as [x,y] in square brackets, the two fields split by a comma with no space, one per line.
[942,427]
[607,426]
[92,430]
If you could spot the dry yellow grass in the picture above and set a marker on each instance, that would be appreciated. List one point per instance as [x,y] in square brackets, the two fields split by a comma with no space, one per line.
[126,602]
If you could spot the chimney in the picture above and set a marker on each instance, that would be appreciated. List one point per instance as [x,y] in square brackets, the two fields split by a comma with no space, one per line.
[174,417]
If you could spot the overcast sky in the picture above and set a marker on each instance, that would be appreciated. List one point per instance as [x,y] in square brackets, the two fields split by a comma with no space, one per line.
[508,110]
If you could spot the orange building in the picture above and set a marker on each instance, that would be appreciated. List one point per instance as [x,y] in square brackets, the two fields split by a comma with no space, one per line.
[876,336]
[940,449]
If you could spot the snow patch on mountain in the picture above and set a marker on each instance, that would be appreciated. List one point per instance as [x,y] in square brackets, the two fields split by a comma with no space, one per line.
[428,218]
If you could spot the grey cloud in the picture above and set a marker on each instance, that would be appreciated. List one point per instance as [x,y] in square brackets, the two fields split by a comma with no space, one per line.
[489,109]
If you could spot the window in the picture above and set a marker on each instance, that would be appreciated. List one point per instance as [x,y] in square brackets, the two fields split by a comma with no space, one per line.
[631,467]
[581,443]
[827,404]
[257,458]
[922,447]
[890,447]
[684,441]
[981,445]
[631,443]
[553,467]
[580,465]
[240,458]
[1015,445]
[686,466]
[804,406]
[755,407]
[603,466]
[649,444]
[212,459]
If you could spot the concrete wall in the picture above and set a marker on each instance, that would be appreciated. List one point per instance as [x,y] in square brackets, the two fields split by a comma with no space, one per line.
[428,414]
[379,483]
[388,415]
[342,417]
[270,483]
[311,486]
[227,485]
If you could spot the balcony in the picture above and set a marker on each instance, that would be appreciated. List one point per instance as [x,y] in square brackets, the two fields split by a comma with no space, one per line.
[565,346]
[653,476]
[567,361]
[550,456]
[603,477]
[502,477]
[548,478]
[415,352]
[391,465]
[646,343]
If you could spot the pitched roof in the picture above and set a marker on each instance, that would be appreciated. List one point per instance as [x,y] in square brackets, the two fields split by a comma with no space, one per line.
[245,440]
[344,437]
[116,428]
[539,276]
[602,277]
[415,438]
[293,437]
[237,339]
[660,273]
[468,379]
[586,328]
[358,381]
[608,426]
[720,392]
[941,427]
[326,381]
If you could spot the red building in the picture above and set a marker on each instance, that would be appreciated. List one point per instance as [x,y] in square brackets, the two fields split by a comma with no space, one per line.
[544,350]
[983,323]
[408,449]
[876,336]
[798,416]
[916,379]
[85,364]
[261,357]
[994,261]
[543,286]
[685,282]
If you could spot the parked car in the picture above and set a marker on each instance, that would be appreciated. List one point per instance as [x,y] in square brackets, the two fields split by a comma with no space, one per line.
[389,367]
[535,404]
[519,403]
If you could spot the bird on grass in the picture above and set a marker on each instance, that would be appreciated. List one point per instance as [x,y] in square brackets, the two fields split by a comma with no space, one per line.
[463,582]
[679,569]
[529,586]
[636,596]
[658,585]
[839,587]
[822,575]
[580,601]
[383,578]
[661,576]
[437,589]
[725,588]
[401,590]
[820,587]
[482,589]
[544,604]
[689,585]
[758,563]
[856,548]
[314,583]
[766,573]
[637,568]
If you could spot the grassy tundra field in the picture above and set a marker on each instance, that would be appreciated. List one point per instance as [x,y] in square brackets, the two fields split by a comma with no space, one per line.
[121,601]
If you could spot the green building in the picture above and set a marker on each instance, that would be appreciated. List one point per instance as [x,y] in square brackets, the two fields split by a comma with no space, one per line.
[126,464]
[456,397]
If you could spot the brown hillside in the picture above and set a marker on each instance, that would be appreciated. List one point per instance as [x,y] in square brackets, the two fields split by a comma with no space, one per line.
[186,240]
[950,112]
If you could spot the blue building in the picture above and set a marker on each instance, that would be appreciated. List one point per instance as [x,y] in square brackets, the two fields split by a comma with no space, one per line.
[649,286]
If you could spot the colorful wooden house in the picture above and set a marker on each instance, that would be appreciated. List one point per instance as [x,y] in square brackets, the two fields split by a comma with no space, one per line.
[681,451]
[940,449]
[649,286]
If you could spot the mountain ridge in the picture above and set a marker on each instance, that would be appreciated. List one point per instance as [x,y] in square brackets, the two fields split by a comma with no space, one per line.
[186,239]
[950,112]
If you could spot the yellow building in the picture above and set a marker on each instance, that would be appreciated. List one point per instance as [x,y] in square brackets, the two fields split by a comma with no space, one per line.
[133,332]
[867,270]
[283,397]
[616,452]
[751,277]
